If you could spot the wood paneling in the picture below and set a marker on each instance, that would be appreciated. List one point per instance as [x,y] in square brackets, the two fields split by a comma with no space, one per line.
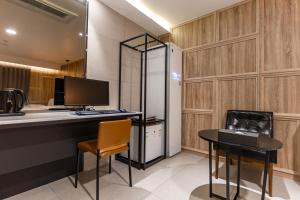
[198,95]
[248,58]
[201,63]
[237,21]
[281,31]
[281,93]
[165,37]
[238,57]
[236,94]
[192,124]
[41,88]
[288,131]
[206,30]
[195,33]
[75,69]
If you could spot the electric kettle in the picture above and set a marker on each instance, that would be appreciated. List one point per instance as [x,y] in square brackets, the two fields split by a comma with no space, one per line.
[11,101]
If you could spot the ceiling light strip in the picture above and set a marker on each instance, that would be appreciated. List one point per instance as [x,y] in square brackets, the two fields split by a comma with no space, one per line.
[146,11]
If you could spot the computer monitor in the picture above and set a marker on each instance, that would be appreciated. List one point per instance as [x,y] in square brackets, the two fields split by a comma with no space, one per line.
[85,92]
[59,91]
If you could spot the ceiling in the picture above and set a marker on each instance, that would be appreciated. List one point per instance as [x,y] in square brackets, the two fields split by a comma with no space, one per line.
[173,11]
[42,39]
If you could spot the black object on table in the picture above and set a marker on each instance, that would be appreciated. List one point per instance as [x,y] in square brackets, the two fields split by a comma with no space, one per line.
[265,145]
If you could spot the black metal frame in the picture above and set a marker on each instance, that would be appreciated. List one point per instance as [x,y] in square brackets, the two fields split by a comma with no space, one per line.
[86,36]
[144,49]
[227,151]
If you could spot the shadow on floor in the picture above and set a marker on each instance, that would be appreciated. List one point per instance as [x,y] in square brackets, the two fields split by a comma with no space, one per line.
[202,193]
[251,177]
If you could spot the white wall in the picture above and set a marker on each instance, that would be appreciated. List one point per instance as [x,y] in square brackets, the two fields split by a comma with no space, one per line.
[106,30]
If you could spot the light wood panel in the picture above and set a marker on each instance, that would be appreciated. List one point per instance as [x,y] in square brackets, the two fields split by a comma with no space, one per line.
[206,30]
[75,69]
[165,37]
[42,83]
[198,95]
[192,124]
[41,88]
[236,94]
[238,57]
[198,32]
[200,63]
[281,34]
[237,21]
[281,93]
[253,63]
[288,131]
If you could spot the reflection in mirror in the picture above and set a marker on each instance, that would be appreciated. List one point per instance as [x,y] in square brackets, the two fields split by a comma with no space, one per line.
[41,40]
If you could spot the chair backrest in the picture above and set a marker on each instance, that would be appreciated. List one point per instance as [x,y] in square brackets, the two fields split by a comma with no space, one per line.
[113,133]
[251,121]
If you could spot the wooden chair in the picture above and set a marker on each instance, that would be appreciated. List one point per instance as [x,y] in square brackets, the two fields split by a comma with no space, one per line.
[113,138]
[252,121]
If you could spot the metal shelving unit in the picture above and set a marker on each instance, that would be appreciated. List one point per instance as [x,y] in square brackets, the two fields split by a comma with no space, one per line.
[143,44]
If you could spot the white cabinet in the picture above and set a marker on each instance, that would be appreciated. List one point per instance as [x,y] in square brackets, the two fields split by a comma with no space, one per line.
[154,141]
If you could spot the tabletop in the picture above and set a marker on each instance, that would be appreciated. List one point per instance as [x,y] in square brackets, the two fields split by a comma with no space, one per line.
[264,143]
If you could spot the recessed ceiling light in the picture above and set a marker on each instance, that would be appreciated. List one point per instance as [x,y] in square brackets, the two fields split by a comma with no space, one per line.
[146,11]
[11,31]
[80,34]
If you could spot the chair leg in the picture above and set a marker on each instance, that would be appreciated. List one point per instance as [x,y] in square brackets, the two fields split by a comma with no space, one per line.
[109,164]
[129,166]
[77,166]
[217,164]
[271,180]
[97,176]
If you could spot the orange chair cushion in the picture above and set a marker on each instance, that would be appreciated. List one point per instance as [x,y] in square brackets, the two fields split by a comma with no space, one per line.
[91,146]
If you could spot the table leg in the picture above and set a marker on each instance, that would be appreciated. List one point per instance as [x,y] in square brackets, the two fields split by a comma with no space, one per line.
[210,169]
[238,178]
[227,176]
[140,142]
[267,162]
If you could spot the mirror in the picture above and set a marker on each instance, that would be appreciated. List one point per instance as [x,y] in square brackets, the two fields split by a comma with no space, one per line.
[41,40]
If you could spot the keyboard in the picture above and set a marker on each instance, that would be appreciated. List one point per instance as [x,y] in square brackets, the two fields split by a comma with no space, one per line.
[109,111]
[98,112]
[87,112]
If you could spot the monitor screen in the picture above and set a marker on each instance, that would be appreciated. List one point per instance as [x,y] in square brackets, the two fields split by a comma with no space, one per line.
[85,92]
[59,91]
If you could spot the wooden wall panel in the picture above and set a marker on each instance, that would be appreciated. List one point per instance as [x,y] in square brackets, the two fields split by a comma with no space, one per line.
[206,30]
[75,69]
[198,95]
[251,61]
[236,94]
[238,57]
[200,63]
[237,21]
[177,36]
[165,37]
[281,30]
[288,131]
[195,33]
[192,124]
[190,64]
[281,93]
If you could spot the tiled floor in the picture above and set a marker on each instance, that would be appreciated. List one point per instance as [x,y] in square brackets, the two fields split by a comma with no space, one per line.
[183,177]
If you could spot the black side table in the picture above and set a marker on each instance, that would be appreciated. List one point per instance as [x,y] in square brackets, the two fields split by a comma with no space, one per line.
[265,145]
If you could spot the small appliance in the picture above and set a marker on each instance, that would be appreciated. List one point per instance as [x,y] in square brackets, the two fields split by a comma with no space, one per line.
[11,102]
